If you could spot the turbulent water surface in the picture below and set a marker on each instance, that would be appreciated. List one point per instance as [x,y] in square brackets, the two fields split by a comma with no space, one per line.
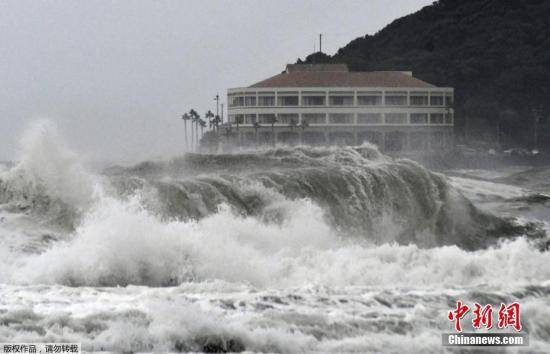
[282,250]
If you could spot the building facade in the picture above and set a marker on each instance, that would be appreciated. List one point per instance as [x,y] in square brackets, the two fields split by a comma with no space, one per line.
[328,104]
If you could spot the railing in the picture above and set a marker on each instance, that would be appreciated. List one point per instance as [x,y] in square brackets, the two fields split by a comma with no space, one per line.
[439,98]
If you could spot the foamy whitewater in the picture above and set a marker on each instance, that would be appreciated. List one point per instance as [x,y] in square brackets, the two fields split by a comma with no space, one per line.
[282,250]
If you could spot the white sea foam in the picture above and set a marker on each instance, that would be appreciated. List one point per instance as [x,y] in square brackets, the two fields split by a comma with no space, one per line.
[190,319]
[46,164]
[481,191]
[121,243]
[231,281]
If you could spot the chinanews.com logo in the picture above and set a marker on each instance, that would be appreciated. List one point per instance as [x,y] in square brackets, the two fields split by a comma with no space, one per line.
[498,326]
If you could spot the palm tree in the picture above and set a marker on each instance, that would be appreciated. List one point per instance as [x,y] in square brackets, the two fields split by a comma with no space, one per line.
[194,121]
[202,125]
[304,124]
[197,123]
[273,122]
[208,115]
[191,121]
[185,118]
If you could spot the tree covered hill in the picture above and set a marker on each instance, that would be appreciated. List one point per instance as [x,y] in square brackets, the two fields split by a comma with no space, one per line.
[495,53]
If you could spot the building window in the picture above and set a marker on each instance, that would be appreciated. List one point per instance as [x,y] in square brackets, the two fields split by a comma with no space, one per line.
[250,101]
[436,118]
[287,99]
[369,118]
[436,100]
[267,118]
[396,118]
[419,98]
[341,100]
[287,118]
[419,118]
[396,98]
[313,100]
[340,118]
[449,100]
[236,118]
[266,101]
[369,98]
[249,118]
[236,101]
[449,119]
[314,118]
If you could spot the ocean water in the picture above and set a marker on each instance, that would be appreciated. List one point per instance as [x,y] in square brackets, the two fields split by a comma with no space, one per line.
[281,250]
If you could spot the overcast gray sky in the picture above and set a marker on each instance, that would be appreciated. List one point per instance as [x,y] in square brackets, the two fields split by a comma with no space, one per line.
[116,75]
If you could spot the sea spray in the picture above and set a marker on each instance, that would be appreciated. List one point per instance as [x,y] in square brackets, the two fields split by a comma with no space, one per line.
[46,163]
[49,180]
[363,194]
[282,250]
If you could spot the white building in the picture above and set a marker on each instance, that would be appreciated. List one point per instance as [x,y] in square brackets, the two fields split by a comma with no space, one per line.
[328,104]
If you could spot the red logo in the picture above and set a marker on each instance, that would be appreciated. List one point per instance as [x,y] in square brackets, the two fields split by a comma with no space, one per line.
[483,316]
[508,316]
[458,314]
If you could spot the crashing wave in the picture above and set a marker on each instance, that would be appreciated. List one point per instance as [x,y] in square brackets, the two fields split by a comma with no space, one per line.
[167,222]
[362,192]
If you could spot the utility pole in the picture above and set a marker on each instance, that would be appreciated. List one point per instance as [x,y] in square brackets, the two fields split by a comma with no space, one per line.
[320,42]
[217,99]
[222,113]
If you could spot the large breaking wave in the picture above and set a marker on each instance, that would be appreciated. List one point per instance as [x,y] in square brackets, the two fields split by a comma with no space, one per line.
[274,217]
[283,250]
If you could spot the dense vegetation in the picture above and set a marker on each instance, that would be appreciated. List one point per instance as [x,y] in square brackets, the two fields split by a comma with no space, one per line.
[495,53]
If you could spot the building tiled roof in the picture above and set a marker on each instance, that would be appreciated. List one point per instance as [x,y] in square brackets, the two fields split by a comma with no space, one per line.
[301,75]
